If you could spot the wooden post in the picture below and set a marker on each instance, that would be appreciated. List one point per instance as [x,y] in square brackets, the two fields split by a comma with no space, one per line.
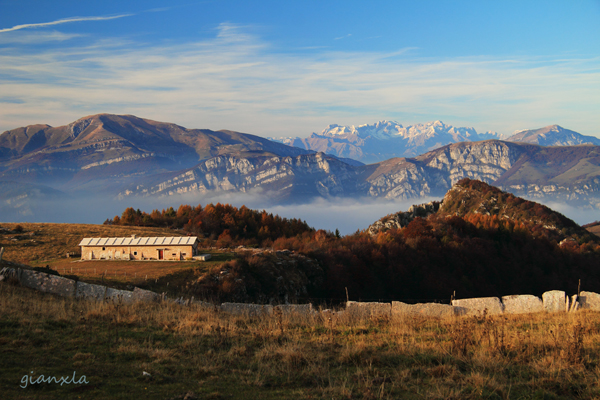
[347,297]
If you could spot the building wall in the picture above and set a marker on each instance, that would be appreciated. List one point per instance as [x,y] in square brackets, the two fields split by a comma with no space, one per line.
[176,252]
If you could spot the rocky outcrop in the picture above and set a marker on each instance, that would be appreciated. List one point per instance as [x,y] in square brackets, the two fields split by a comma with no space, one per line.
[402,219]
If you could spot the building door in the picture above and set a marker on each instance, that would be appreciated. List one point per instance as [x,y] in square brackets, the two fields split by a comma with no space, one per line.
[160,254]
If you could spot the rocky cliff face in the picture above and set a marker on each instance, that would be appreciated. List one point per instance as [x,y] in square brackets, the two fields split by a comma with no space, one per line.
[306,175]
[567,174]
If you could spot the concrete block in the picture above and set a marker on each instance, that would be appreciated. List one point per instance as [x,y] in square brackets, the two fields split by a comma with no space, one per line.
[145,296]
[297,309]
[90,291]
[479,305]
[589,301]
[522,304]
[435,310]
[365,310]
[554,301]
[119,296]
[247,309]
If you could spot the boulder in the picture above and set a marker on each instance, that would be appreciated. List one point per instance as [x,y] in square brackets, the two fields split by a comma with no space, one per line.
[554,301]
[90,291]
[145,296]
[589,301]
[522,304]
[247,309]
[119,296]
[479,306]
[435,310]
[366,310]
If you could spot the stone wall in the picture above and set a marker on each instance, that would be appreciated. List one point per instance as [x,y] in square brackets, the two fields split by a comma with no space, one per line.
[366,310]
[247,309]
[552,301]
[436,310]
[589,301]
[522,304]
[479,306]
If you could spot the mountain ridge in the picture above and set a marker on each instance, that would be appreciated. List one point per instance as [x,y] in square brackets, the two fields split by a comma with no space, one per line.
[385,139]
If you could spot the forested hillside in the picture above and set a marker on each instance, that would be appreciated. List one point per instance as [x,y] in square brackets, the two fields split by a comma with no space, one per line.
[481,242]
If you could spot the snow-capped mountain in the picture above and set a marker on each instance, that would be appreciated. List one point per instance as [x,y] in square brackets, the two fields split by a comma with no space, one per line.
[553,135]
[385,139]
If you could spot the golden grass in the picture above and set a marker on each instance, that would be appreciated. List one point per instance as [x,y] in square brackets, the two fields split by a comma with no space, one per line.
[216,355]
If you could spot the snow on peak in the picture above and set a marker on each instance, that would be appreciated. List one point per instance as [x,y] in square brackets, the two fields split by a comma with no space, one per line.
[386,130]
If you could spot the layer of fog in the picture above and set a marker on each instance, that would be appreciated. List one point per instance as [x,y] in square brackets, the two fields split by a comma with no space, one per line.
[347,215]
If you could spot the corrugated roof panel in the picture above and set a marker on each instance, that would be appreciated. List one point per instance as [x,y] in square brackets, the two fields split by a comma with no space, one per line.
[143,241]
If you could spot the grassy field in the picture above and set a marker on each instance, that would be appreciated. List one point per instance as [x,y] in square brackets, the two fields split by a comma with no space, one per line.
[206,354]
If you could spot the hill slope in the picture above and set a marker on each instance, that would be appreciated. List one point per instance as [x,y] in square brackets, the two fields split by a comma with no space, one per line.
[102,151]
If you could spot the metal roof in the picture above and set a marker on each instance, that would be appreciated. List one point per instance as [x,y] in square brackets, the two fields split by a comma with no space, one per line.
[141,241]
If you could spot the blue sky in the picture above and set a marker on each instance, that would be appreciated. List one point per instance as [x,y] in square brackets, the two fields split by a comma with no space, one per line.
[290,68]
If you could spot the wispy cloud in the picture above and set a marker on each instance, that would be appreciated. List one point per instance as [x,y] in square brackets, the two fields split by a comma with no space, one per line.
[235,81]
[62,21]
[37,37]
[343,37]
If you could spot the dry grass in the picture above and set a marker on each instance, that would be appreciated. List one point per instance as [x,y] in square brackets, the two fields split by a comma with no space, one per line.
[216,355]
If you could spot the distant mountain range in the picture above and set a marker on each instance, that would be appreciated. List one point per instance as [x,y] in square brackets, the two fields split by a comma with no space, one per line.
[387,139]
[122,156]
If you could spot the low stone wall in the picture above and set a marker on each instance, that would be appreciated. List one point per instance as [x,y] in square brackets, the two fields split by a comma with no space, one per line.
[589,301]
[119,296]
[90,291]
[555,301]
[247,309]
[552,301]
[436,310]
[295,309]
[48,283]
[365,310]
[522,304]
[145,295]
[479,306]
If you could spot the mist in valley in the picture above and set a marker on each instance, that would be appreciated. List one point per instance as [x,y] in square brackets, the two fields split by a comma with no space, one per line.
[346,214]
